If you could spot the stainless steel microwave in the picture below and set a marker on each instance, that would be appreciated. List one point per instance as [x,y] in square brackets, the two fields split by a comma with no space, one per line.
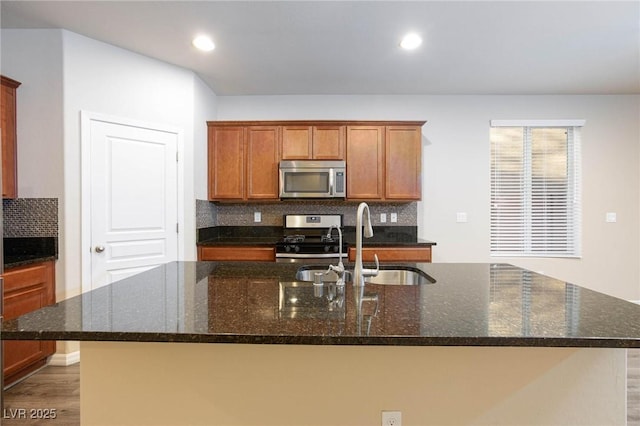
[312,179]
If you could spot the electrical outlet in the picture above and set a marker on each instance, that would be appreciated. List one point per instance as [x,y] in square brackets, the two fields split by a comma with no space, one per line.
[383,218]
[394,217]
[391,418]
[461,217]
[611,217]
[257,217]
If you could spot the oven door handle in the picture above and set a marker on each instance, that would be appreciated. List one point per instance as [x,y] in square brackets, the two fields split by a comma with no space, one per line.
[307,255]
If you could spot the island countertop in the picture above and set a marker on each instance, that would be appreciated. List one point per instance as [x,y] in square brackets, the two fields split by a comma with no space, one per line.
[262,303]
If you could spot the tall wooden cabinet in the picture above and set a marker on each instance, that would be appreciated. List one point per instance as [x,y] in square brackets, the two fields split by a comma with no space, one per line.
[226,163]
[8,124]
[26,289]
[403,163]
[262,158]
[365,162]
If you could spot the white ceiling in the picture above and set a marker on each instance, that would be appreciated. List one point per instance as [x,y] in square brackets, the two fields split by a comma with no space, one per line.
[340,47]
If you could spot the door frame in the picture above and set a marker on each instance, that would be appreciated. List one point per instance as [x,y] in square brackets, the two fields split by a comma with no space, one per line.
[86,117]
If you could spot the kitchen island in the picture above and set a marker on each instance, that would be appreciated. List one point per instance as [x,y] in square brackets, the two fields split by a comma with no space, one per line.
[478,344]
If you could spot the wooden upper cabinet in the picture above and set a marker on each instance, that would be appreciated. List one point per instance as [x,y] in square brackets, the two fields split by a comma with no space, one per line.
[383,158]
[243,162]
[263,156]
[323,142]
[403,161]
[226,163]
[8,123]
[297,143]
[328,142]
[365,162]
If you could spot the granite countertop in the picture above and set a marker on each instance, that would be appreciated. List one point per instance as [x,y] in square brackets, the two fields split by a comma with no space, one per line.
[392,236]
[261,303]
[22,251]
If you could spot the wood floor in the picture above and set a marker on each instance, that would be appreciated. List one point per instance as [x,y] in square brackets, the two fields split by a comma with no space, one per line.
[59,388]
[52,388]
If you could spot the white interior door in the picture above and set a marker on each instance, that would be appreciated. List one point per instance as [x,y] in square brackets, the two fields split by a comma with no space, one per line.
[134,191]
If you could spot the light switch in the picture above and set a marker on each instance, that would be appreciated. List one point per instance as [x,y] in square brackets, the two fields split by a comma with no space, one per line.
[611,217]
[461,217]
[383,218]
[394,217]
[257,217]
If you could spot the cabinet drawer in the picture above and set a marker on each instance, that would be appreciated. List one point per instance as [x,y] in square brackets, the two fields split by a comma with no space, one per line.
[27,276]
[393,254]
[239,253]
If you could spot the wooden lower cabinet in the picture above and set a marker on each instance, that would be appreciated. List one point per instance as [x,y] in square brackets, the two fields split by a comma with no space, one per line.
[393,254]
[238,253]
[26,289]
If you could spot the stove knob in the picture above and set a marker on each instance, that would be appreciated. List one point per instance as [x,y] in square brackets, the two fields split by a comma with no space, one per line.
[326,249]
[336,249]
[287,248]
[296,248]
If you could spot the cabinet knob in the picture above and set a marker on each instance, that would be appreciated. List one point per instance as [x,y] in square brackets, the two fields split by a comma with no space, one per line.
[99,249]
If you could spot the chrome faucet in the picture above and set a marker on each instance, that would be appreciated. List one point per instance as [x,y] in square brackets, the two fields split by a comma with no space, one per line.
[359,272]
[338,269]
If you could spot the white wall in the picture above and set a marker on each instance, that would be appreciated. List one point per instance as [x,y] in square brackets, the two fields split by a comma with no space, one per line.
[64,73]
[24,57]
[205,110]
[456,171]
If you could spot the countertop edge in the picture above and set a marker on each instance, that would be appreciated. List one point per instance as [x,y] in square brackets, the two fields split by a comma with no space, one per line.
[26,262]
[482,341]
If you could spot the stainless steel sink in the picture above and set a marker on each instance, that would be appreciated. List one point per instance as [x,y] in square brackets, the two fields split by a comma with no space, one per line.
[305,273]
[388,275]
[400,276]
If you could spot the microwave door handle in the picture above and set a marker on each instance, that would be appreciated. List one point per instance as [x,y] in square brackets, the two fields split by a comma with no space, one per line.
[331,182]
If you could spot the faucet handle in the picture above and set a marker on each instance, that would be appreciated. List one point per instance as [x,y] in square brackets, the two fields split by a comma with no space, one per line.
[339,269]
[372,272]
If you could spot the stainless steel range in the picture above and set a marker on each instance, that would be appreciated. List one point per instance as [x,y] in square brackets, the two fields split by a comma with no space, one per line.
[311,239]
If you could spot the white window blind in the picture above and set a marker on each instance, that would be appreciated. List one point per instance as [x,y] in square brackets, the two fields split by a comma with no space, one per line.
[535,188]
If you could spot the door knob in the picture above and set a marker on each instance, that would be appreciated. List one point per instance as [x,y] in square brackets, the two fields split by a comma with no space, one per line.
[99,249]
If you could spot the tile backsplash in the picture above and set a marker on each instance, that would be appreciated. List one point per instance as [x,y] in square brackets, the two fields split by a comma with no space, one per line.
[242,214]
[30,217]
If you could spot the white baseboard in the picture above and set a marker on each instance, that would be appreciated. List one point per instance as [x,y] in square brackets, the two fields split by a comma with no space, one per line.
[64,360]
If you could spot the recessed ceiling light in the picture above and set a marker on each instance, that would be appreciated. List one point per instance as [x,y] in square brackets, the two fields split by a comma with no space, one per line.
[411,41]
[203,43]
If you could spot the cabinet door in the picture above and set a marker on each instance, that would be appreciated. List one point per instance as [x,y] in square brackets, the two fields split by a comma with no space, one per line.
[365,162]
[27,289]
[263,155]
[393,254]
[237,253]
[296,142]
[9,142]
[328,142]
[403,163]
[226,163]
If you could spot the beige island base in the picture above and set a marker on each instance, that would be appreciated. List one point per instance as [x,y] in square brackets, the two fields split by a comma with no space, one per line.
[233,384]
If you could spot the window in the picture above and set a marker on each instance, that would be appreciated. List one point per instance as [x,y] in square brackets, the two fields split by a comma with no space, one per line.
[535,188]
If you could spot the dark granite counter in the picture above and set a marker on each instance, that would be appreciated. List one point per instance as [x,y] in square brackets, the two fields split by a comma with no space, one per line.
[390,236]
[27,250]
[258,303]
